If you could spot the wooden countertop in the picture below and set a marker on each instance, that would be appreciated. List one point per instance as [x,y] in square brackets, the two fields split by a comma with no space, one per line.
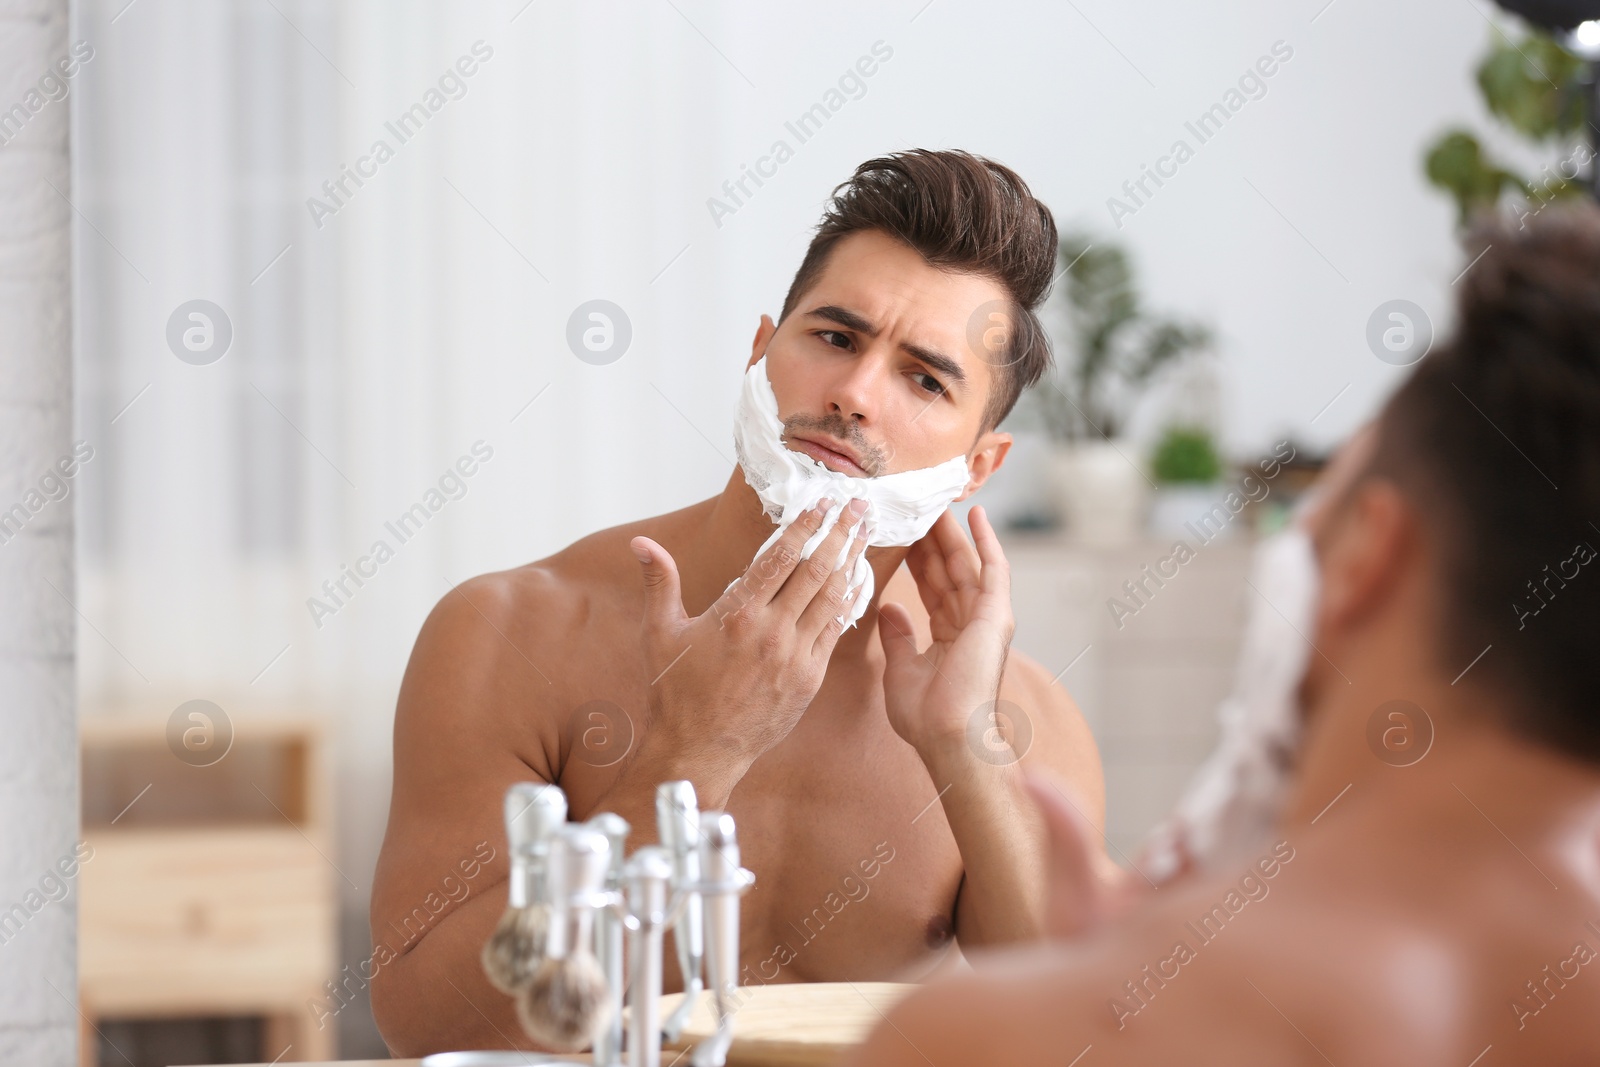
[805,1025]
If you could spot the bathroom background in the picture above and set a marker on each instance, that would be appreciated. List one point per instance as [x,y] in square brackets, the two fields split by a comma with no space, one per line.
[373,323]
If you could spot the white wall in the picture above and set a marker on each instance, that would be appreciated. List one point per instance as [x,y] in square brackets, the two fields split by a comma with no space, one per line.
[38,757]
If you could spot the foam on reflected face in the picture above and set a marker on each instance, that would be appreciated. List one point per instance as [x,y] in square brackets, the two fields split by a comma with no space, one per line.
[901,507]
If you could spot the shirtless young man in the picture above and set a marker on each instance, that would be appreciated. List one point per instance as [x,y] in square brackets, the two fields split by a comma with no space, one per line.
[1431,895]
[845,758]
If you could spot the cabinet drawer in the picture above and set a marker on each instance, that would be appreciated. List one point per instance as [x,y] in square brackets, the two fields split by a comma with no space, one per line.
[227,920]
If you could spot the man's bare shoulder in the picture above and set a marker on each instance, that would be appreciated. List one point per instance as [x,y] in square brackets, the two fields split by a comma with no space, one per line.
[514,639]
[1039,688]
[1295,954]
[486,696]
[541,604]
[1058,736]
[1153,989]
[546,594]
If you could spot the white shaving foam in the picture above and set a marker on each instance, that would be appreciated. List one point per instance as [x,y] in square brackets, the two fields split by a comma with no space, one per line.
[901,507]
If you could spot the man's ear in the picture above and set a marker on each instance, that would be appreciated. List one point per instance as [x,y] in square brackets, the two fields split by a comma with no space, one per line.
[1366,550]
[989,455]
[764,333]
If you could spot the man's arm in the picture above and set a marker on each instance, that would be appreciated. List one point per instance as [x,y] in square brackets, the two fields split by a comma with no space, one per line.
[976,722]
[478,711]
[1002,843]
[456,751]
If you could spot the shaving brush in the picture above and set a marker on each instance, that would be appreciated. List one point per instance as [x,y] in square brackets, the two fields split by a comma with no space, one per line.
[533,812]
[568,1002]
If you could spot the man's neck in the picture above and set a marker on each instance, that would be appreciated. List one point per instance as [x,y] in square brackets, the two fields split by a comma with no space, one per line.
[721,541]
[1470,760]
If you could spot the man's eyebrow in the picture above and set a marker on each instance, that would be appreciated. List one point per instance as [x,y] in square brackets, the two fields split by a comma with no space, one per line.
[851,320]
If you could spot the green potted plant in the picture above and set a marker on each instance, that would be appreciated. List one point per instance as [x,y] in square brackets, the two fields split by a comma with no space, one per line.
[1536,88]
[1113,350]
[1188,475]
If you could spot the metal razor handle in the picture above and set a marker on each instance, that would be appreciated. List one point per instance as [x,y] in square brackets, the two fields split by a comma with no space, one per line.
[533,812]
[646,879]
[678,818]
[724,881]
[608,940]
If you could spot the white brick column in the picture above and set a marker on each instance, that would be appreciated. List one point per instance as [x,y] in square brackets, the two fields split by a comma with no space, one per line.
[38,626]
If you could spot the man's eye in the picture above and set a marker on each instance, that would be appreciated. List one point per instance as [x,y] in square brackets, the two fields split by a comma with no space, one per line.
[827,334]
[935,385]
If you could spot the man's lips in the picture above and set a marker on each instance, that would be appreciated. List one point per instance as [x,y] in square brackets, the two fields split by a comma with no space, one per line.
[832,458]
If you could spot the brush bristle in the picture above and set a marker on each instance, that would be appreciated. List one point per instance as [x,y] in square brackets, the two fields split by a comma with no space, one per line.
[565,1003]
[516,948]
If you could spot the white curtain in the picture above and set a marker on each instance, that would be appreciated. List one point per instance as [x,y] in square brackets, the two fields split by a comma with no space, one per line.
[372,352]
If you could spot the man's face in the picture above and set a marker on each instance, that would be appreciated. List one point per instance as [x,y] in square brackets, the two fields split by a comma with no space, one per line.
[873,371]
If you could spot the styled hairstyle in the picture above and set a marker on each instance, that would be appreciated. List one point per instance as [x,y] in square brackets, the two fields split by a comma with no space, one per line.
[1496,441]
[963,213]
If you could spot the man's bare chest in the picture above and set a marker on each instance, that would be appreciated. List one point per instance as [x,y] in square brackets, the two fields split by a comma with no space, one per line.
[856,868]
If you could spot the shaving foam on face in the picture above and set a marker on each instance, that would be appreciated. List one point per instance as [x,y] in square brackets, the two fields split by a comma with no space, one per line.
[901,507]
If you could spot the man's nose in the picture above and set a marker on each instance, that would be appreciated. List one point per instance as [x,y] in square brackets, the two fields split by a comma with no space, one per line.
[856,391]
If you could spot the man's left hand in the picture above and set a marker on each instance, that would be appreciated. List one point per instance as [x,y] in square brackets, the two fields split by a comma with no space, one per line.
[932,697]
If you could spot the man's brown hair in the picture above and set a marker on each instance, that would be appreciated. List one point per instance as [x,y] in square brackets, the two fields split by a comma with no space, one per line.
[964,213]
[1496,440]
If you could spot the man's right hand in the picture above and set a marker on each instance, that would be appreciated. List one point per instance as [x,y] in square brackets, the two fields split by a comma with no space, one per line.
[731,683]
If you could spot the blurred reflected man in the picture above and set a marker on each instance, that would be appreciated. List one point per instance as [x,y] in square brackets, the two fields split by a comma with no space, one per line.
[1431,892]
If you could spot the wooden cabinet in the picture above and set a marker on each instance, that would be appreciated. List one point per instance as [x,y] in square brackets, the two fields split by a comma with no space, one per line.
[1148,667]
[209,890]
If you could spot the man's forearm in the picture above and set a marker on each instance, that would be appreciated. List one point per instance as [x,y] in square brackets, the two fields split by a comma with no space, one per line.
[1001,843]
[660,759]
[433,996]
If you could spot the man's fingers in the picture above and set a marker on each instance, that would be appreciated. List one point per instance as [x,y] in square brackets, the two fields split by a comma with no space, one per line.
[663,599]
[834,624]
[812,573]
[1075,898]
[816,615]
[960,561]
[996,575]
[766,574]
[917,563]
[935,561]
[820,613]
[896,634]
